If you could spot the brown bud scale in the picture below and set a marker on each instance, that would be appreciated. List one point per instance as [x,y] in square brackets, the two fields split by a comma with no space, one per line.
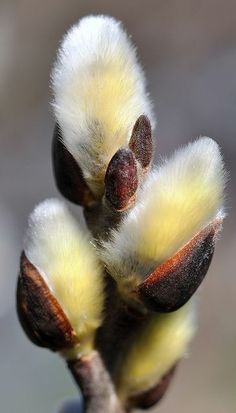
[173,283]
[141,141]
[41,316]
[121,180]
[152,396]
[68,174]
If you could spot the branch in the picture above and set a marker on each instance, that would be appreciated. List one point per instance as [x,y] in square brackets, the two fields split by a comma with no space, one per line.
[90,374]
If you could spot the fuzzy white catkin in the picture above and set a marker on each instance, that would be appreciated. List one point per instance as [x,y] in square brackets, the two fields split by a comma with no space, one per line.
[99,92]
[160,345]
[178,199]
[62,253]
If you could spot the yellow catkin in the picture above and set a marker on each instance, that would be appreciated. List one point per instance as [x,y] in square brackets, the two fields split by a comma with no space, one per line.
[160,345]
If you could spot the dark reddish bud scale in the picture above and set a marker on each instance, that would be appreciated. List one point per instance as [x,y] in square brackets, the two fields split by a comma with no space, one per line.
[154,395]
[41,316]
[174,282]
[68,174]
[121,179]
[141,141]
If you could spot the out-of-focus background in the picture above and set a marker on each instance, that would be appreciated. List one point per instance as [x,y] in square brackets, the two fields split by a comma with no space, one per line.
[188,50]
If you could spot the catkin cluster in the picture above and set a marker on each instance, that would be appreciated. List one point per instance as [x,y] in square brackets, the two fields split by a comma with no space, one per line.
[123,289]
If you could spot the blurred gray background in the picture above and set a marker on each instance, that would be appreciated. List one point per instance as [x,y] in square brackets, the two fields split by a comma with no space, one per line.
[188,50]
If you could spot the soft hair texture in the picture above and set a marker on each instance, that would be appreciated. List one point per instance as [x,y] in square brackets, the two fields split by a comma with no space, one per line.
[160,345]
[65,259]
[178,199]
[99,92]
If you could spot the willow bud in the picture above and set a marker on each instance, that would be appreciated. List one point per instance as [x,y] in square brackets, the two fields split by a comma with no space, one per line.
[99,92]
[141,141]
[164,245]
[121,180]
[150,360]
[60,290]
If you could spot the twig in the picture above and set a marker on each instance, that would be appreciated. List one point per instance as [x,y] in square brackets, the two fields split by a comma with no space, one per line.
[91,375]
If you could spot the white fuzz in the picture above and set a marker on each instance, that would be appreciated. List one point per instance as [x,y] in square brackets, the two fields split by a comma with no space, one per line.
[65,259]
[177,201]
[158,347]
[99,92]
